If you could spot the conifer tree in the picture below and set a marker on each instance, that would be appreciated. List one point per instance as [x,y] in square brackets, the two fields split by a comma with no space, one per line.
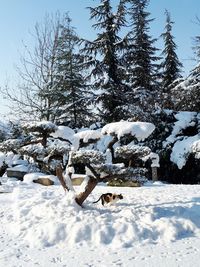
[140,57]
[72,92]
[186,94]
[171,64]
[103,58]
[196,46]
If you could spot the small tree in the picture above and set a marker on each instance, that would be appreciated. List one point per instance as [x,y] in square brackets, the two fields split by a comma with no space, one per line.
[50,77]
[100,169]
[37,145]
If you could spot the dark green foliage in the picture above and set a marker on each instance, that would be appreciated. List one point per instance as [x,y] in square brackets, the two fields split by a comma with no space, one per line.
[171,64]
[103,58]
[140,56]
[186,95]
[73,92]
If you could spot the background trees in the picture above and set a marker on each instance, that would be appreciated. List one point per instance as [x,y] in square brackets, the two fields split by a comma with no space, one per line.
[52,80]
[72,81]
[117,76]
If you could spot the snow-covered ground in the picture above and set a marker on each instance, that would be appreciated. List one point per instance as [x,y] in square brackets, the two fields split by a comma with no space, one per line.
[154,225]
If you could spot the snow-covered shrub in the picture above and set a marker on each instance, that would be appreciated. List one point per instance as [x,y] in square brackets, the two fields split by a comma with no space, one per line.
[36,145]
[176,141]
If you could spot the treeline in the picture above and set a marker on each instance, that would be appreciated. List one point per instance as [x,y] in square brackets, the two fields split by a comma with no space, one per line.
[121,74]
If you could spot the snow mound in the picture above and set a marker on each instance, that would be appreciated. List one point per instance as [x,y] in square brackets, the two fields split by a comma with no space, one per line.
[46,218]
[141,130]
[66,133]
[29,177]
[88,135]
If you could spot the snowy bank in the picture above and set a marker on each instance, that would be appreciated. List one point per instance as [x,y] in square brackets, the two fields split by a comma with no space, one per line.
[157,214]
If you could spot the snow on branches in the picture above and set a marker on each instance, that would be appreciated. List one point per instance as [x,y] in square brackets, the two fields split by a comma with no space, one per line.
[140,130]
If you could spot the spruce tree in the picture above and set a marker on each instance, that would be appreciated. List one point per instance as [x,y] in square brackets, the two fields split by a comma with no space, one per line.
[142,68]
[171,64]
[140,56]
[103,57]
[72,93]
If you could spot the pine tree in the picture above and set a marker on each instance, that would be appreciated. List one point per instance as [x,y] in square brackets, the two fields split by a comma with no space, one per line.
[140,57]
[72,91]
[104,59]
[171,64]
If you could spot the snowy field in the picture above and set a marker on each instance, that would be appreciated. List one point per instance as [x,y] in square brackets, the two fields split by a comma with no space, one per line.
[155,225]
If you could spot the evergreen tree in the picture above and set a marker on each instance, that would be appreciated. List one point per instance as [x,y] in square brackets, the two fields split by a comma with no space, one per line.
[171,64]
[140,56]
[196,46]
[141,63]
[72,91]
[186,95]
[103,57]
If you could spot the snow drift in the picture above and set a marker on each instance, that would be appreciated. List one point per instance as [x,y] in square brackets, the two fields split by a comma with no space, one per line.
[150,214]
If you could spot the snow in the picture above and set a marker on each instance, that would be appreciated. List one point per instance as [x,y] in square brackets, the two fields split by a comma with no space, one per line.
[21,168]
[29,177]
[195,148]
[154,159]
[88,134]
[63,132]
[45,125]
[183,146]
[182,149]
[8,158]
[154,225]
[140,130]
[184,120]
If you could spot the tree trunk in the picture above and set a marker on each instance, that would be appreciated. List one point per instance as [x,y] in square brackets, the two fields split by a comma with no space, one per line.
[3,169]
[110,146]
[88,189]
[44,139]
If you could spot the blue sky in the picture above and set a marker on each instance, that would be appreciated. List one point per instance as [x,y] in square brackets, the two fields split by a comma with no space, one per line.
[18,18]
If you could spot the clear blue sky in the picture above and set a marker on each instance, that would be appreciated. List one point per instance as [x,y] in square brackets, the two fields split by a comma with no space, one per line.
[18,18]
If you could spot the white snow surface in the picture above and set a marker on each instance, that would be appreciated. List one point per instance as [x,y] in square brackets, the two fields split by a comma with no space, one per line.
[29,177]
[154,225]
[66,133]
[140,130]
[86,135]
[43,124]
[21,168]
[8,158]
